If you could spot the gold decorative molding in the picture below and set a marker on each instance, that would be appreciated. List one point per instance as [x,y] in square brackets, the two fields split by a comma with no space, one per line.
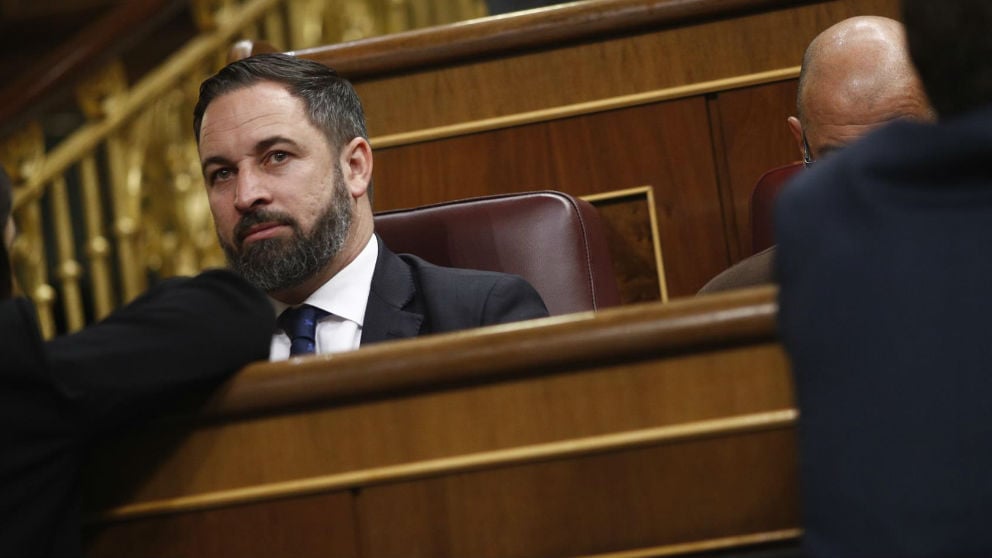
[97,243]
[100,93]
[588,107]
[648,193]
[755,422]
[723,543]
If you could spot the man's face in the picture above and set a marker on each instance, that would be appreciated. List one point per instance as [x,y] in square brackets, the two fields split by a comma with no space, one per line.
[275,186]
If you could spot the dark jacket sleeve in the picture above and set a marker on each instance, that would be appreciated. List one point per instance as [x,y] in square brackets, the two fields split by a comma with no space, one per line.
[37,466]
[183,334]
[26,399]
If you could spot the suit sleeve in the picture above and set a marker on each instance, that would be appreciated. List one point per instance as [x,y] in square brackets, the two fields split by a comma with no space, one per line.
[512,299]
[27,406]
[183,335]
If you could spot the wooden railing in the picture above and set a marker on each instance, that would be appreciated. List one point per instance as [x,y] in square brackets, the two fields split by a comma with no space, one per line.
[645,430]
[549,28]
[118,203]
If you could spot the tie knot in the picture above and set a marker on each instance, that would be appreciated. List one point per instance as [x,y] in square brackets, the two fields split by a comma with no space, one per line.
[300,324]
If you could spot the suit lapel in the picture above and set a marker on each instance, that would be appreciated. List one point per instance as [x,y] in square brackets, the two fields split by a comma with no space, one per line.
[392,311]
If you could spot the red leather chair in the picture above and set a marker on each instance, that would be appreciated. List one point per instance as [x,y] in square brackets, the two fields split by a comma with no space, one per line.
[763,204]
[551,239]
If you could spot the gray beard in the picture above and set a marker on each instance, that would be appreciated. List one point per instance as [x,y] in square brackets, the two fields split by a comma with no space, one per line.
[275,264]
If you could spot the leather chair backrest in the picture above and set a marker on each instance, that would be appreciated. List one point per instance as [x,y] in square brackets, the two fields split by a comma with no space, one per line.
[553,240]
[763,204]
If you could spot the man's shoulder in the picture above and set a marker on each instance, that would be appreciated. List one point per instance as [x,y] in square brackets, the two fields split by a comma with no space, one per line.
[459,277]
[21,339]
[750,272]
[450,297]
[454,296]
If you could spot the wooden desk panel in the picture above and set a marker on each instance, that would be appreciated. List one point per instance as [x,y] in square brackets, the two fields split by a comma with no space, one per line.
[339,439]
[317,526]
[649,497]
[662,145]
[676,44]
[749,128]
[668,424]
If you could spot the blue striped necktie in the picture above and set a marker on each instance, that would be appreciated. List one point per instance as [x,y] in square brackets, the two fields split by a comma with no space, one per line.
[300,324]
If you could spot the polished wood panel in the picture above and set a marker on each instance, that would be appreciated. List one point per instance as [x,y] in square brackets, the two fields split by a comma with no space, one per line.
[431,426]
[590,154]
[473,443]
[262,530]
[533,30]
[752,135]
[608,65]
[594,504]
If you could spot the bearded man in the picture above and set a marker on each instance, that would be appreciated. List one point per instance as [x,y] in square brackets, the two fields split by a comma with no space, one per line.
[288,169]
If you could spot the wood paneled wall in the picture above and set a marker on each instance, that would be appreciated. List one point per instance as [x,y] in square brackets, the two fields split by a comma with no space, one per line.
[655,428]
[689,97]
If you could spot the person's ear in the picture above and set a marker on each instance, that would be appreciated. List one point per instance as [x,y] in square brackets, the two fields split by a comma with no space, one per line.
[797,132]
[356,166]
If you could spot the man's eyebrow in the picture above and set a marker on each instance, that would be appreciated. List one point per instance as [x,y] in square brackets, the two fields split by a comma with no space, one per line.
[214,160]
[260,147]
[267,143]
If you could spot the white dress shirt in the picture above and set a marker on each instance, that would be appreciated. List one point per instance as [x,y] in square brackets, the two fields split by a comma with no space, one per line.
[345,297]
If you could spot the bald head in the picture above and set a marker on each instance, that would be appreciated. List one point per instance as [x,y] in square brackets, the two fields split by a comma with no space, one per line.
[856,76]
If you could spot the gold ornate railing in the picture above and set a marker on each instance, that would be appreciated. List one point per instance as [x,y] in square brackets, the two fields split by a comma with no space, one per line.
[119,203]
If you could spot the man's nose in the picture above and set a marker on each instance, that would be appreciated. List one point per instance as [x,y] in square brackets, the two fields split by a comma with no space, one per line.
[251,191]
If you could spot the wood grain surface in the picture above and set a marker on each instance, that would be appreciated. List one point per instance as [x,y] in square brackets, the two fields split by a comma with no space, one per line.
[634,427]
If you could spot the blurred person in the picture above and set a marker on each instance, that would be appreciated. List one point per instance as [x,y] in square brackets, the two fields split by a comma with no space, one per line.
[884,301]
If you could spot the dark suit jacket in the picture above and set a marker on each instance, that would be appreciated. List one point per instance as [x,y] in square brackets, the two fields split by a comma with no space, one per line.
[411,297]
[885,272]
[56,397]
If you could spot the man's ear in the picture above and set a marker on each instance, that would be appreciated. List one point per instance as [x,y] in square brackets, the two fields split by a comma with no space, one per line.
[797,132]
[356,166]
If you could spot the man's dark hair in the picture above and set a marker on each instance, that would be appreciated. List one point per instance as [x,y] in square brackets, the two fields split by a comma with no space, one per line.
[330,101]
[950,42]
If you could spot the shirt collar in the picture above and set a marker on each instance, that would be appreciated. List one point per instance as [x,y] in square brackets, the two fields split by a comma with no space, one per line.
[345,295]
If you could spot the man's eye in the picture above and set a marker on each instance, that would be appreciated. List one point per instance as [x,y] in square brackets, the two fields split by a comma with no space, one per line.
[278,156]
[220,175]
